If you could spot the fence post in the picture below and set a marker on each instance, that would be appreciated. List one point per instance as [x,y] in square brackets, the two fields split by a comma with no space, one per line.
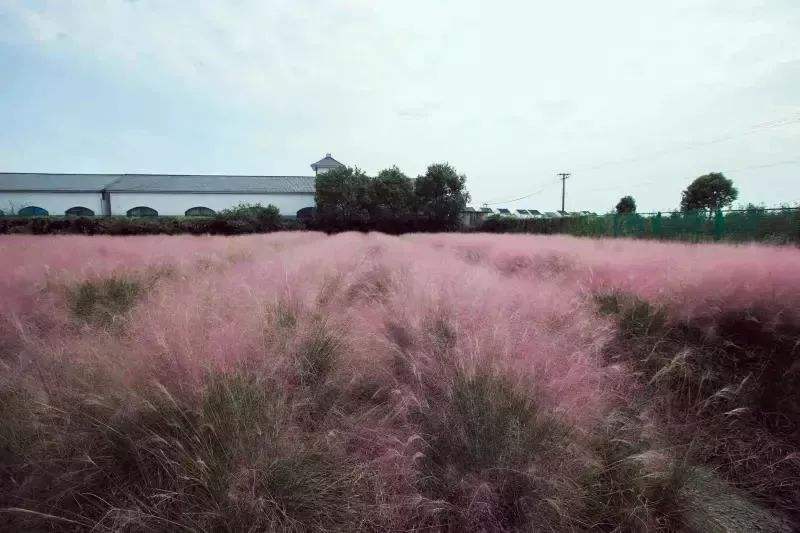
[657,225]
[719,225]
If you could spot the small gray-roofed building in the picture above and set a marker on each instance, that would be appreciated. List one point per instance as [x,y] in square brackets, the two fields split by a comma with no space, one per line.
[534,212]
[503,211]
[551,214]
[522,211]
[325,164]
[470,216]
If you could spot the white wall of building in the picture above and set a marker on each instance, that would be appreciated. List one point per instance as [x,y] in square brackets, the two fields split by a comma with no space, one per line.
[56,203]
[178,203]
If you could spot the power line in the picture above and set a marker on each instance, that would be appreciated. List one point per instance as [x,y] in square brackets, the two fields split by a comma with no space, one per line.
[651,181]
[756,128]
[534,193]
[752,130]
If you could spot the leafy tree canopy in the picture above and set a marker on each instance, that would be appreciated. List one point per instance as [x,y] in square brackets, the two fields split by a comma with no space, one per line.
[391,191]
[342,193]
[626,205]
[442,194]
[711,191]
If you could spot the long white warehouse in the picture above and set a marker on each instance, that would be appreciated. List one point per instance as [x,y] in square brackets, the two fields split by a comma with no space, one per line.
[36,194]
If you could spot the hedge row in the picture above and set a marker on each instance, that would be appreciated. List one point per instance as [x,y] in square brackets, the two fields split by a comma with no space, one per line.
[142,226]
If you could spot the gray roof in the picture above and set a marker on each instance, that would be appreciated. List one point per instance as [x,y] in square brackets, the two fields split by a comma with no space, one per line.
[212,184]
[486,210]
[10,181]
[522,211]
[534,212]
[326,162]
[155,183]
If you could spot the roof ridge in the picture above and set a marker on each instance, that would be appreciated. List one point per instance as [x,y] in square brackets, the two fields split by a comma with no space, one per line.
[120,175]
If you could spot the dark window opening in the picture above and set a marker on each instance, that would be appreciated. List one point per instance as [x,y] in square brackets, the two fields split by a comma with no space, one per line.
[200,211]
[142,211]
[33,211]
[79,211]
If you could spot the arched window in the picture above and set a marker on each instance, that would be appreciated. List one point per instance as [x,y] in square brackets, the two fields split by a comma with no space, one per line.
[200,212]
[33,211]
[142,211]
[79,211]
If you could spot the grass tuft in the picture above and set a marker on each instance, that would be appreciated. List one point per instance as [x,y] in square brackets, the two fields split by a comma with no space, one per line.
[104,301]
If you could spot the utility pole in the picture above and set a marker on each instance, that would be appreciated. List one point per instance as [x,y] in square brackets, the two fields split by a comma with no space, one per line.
[564,176]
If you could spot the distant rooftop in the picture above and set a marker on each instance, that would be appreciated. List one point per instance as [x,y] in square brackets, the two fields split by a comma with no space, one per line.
[212,184]
[25,182]
[35,182]
[326,162]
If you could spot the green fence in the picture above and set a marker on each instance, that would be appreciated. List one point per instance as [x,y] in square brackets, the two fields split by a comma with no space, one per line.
[781,225]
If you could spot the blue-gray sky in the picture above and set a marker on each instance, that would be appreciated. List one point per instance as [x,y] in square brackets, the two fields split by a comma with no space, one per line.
[631,96]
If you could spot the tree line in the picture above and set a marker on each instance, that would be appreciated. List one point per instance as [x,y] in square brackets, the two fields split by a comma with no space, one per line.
[391,202]
[709,192]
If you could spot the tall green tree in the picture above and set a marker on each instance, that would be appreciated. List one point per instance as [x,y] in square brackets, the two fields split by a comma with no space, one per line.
[710,191]
[391,194]
[626,205]
[342,195]
[441,195]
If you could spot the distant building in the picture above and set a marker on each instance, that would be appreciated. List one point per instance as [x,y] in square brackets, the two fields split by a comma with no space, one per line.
[40,194]
[325,164]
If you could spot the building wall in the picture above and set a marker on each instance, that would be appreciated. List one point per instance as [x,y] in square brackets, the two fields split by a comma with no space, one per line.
[56,203]
[178,203]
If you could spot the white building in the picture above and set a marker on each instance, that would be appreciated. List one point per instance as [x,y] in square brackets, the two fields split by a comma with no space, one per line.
[153,194]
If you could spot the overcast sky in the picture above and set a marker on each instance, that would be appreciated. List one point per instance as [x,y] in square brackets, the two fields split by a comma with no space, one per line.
[631,96]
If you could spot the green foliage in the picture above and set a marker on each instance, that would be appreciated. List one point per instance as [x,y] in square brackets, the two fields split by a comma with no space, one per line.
[391,193]
[342,195]
[631,487]
[103,301]
[723,384]
[391,202]
[264,217]
[258,220]
[637,317]
[442,195]
[777,226]
[487,428]
[318,355]
[710,191]
[626,205]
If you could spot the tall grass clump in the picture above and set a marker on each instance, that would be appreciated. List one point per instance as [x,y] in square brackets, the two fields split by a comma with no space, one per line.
[104,300]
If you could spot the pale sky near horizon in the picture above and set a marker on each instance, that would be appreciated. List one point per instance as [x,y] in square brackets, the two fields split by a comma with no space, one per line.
[631,96]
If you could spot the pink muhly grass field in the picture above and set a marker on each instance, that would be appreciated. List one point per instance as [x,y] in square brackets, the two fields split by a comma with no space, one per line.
[299,381]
